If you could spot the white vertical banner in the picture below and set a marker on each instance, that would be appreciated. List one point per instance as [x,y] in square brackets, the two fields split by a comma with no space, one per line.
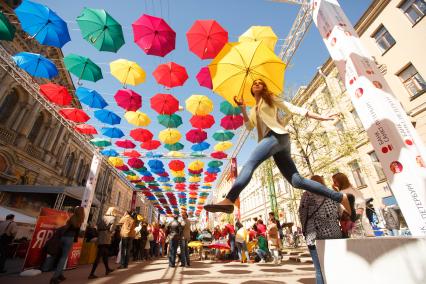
[89,192]
[400,150]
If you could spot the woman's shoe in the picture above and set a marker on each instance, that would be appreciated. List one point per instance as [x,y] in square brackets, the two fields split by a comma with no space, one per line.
[109,271]
[61,278]
[92,276]
[219,208]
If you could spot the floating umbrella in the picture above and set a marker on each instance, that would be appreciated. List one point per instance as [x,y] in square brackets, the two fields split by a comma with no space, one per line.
[196,165]
[141,135]
[109,153]
[194,179]
[206,38]
[232,121]
[174,147]
[260,33]
[137,118]
[204,79]
[176,165]
[74,114]
[90,98]
[115,161]
[196,135]
[100,142]
[7,30]
[200,146]
[202,121]
[135,163]
[125,143]
[43,24]
[237,66]
[107,116]
[197,154]
[127,72]
[219,155]
[155,164]
[179,179]
[164,104]
[85,129]
[169,136]
[153,35]
[100,30]
[169,120]
[223,135]
[35,64]
[170,75]
[180,173]
[228,109]
[128,99]
[56,94]
[131,153]
[223,146]
[175,154]
[150,145]
[213,170]
[83,68]
[112,132]
[199,105]
[215,164]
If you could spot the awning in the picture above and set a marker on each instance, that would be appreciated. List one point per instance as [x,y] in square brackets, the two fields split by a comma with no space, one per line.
[75,192]
[19,217]
[389,201]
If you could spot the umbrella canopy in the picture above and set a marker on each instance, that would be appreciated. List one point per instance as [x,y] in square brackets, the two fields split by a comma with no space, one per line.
[112,132]
[174,147]
[196,135]
[232,121]
[176,165]
[100,30]
[100,142]
[199,105]
[74,114]
[219,155]
[200,146]
[170,75]
[206,38]
[127,72]
[56,94]
[107,116]
[125,143]
[260,33]
[83,68]
[115,161]
[131,153]
[204,79]
[154,35]
[202,121]
[128,99]
[223,135]
[137,118]
[215,164]
[85,129]
[135,163]
[109,153]
[35,65]
[150,145]
[164,104]
[228,109]
[196,165]
[169,121]
[169,136]
[90,98]
[141,135]
[7,30]
[237,66]
[223,146]
[42,24]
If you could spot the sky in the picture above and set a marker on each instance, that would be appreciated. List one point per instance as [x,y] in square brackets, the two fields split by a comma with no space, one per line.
[236,16]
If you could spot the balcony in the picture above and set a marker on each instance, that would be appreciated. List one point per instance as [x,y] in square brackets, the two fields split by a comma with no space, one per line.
[34,151]
[7,136]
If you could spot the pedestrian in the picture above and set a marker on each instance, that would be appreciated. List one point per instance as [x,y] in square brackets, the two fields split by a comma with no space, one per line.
[106,227]
[392,222]
[174,232]
[127,234]
[70,233]
[241,240]
[91,232]
[162,240]
[273,240]
[319,217]
[229,232]
[274,141]
[144,241]
[262,248]
[8,231]
[136,242]
[261,228]
[186,237]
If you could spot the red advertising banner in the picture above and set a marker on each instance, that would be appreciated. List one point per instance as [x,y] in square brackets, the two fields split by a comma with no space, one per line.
[74,255]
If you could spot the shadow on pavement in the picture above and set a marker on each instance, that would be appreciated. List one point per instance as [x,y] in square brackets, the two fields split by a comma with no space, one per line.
[235,271]
[236,265]
[263,282]
[208,282]
[306,268]
[195,272]
[306,280]
[276,270]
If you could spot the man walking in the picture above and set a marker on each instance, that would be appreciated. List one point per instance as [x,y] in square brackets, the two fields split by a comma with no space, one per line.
[186,237]
[8,230]
[174,232]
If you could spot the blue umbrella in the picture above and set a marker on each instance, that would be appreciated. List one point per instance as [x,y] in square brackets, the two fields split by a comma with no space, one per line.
[109,153]
[42,24]
[200,146]
[107,116]
[163,179]
[213,170]
[157,171]
[35,64]
[112,132]
[90,97]
[155,164]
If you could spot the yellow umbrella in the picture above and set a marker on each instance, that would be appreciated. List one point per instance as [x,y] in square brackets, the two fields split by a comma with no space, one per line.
[175,154]
[129,177]
[199,105]
[195,244]
[207,184]
[127,72]
[223,146]
[169,136]
[177,173]
[140,183]
[194,179]
[115,161]
[260,33]
[236,67]
[196,165]
[137,118]
[139,217]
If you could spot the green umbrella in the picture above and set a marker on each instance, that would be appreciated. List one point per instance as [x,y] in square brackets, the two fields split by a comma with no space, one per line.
[83,68]
[179,179]
[227,109]
[100,30]
[215,164]
[223,135]
[7,30]
[169,121]
[130,173]
[174,147]
[197,154]
[100,142]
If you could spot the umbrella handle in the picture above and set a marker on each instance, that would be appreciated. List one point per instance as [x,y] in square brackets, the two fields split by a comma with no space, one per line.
[42,28]
[81,74]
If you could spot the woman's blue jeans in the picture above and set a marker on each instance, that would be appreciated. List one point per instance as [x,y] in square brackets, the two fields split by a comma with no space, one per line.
[278,146]
[67,242]
[315,260]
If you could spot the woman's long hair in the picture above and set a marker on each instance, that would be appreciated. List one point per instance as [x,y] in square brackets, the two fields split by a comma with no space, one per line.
[266,95]
[341,180]
[77,218]
[318,178]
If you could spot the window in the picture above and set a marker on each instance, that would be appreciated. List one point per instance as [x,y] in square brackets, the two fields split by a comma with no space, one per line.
[36,128]
[356,173]
[68,165]
[414,9]
[377,165]
[356,118]
[314,106]
[7,107]
[383,39]
[413,82]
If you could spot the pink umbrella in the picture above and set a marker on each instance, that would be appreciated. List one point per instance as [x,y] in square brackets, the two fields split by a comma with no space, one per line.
[196,135]
[128,99]
[154,35]
[135,163]
[170,74]
[123,168]
[148,178]
[85,129]
[204,79]
[231,121]
[125,144]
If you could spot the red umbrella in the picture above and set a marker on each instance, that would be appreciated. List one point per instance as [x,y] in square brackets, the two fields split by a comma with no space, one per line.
[131,153]
[206,38]
[125,143]
[204,78]
[141,135]
[202,121]
[176,165]
[219,155]
[56,94]
[151,145]
[163,174]
[128,99]
[209,179]
[148,178]
[195,172]
[196,135]
[194,186]
[74,114]
[85,129]
[219,246]
[232,121]
[136,181]
[170,74]
[123,168]
[164,104]
[135,163]
[180,186]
